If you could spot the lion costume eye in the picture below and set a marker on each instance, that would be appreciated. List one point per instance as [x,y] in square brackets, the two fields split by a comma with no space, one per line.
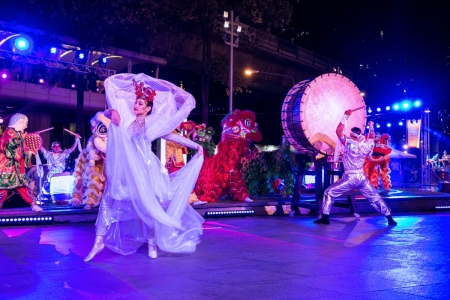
[247,122]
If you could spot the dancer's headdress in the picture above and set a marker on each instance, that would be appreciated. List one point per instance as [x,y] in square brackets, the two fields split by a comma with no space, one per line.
[145,93]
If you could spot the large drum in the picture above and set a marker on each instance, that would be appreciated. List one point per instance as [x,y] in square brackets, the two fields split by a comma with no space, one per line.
[313,109]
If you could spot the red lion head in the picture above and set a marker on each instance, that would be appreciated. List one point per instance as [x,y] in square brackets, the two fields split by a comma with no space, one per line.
[241,124]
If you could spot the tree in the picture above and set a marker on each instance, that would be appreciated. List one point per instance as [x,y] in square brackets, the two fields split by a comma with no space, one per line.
[204,17]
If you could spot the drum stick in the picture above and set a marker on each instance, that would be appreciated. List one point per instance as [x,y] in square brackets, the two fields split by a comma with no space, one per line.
[39,132]
[353,110]
[70,131]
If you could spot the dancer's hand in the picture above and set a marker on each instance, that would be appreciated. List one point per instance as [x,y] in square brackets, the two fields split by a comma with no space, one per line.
[200,150]
[115,117]
[348,112]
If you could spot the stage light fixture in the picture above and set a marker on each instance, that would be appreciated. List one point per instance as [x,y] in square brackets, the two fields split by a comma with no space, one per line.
[81,57]
[396,106]
[53,50]
[400,123]
[369,110]
[405,147]
[229,213]
[442,207]
[4,75]
[25,220]
[41,80]
[417,103]
[388,108]
[22,43]
[73,86]
[388,124]
[377,126]
[378,109]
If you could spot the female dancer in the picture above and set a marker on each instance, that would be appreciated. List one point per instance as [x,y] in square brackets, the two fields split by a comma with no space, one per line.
[142,202]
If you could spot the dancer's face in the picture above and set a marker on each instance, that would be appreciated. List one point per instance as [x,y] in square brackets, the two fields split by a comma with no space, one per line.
[141,108]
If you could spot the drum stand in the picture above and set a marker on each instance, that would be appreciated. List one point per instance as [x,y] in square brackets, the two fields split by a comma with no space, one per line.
[328,173]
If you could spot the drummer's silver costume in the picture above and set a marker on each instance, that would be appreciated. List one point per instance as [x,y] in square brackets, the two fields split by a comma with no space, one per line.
[355,152]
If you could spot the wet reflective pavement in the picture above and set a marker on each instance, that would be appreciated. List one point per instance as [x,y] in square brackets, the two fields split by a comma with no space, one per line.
[239,258]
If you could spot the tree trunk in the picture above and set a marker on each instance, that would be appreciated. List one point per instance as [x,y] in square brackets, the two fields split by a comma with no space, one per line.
[205,78]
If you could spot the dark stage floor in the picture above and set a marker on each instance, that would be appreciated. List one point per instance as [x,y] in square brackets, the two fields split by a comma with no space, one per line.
[278,257]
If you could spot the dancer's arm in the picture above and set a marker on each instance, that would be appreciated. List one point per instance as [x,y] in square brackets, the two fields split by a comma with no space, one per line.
[113,115]
[183,141]
[341,127]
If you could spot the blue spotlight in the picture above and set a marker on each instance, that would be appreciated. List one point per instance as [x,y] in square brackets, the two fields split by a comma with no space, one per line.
[417,103]
[53,50]
[400,123]
[377,126]
[388,108]
[378,109]
[22,44]
[396,106]
[406,105]
[388,124]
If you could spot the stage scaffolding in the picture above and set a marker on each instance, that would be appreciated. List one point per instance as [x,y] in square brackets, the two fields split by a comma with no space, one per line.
[53,63]
[425,147]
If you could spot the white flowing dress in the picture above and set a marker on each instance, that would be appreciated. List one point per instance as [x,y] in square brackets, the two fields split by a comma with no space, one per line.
[141,200]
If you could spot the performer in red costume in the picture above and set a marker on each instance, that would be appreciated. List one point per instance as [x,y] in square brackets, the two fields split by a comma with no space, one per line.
[14,159]
[221,173]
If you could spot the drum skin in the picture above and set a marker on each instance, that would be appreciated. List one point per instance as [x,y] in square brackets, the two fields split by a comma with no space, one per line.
[312,110]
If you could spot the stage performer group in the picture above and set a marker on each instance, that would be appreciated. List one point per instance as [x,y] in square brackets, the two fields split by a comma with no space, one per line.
[356,148]
[141,202]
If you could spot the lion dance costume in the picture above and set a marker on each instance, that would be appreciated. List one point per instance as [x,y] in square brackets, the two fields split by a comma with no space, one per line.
[221,173]
[90,178]
[377,165]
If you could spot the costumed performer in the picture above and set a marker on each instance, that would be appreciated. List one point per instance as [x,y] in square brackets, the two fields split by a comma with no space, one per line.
[14,159]
[356,148]
[142,202]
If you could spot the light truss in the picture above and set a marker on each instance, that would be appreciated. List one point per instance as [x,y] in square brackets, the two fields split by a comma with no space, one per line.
[53,63]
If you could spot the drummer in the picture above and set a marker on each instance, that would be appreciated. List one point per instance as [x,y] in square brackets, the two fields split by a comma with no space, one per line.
[57,157]
[356,148]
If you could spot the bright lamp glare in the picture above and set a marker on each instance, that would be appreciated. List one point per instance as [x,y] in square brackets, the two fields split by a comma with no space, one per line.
[388,124]
[405,147]
[226,24]
[53,50]
[388,108]
[378,125]
[41,80]
[22,44]
[378,109]
[395,106]
[405,105]
[4,75]
[81,55]
[417,103]
[400,123]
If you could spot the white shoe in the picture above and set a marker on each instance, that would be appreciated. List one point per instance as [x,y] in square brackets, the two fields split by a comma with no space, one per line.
[152,251]
[98,247]
[248,200]
[36,208]
[199,202]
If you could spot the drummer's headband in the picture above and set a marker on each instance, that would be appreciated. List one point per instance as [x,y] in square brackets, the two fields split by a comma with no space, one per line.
[356,132]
